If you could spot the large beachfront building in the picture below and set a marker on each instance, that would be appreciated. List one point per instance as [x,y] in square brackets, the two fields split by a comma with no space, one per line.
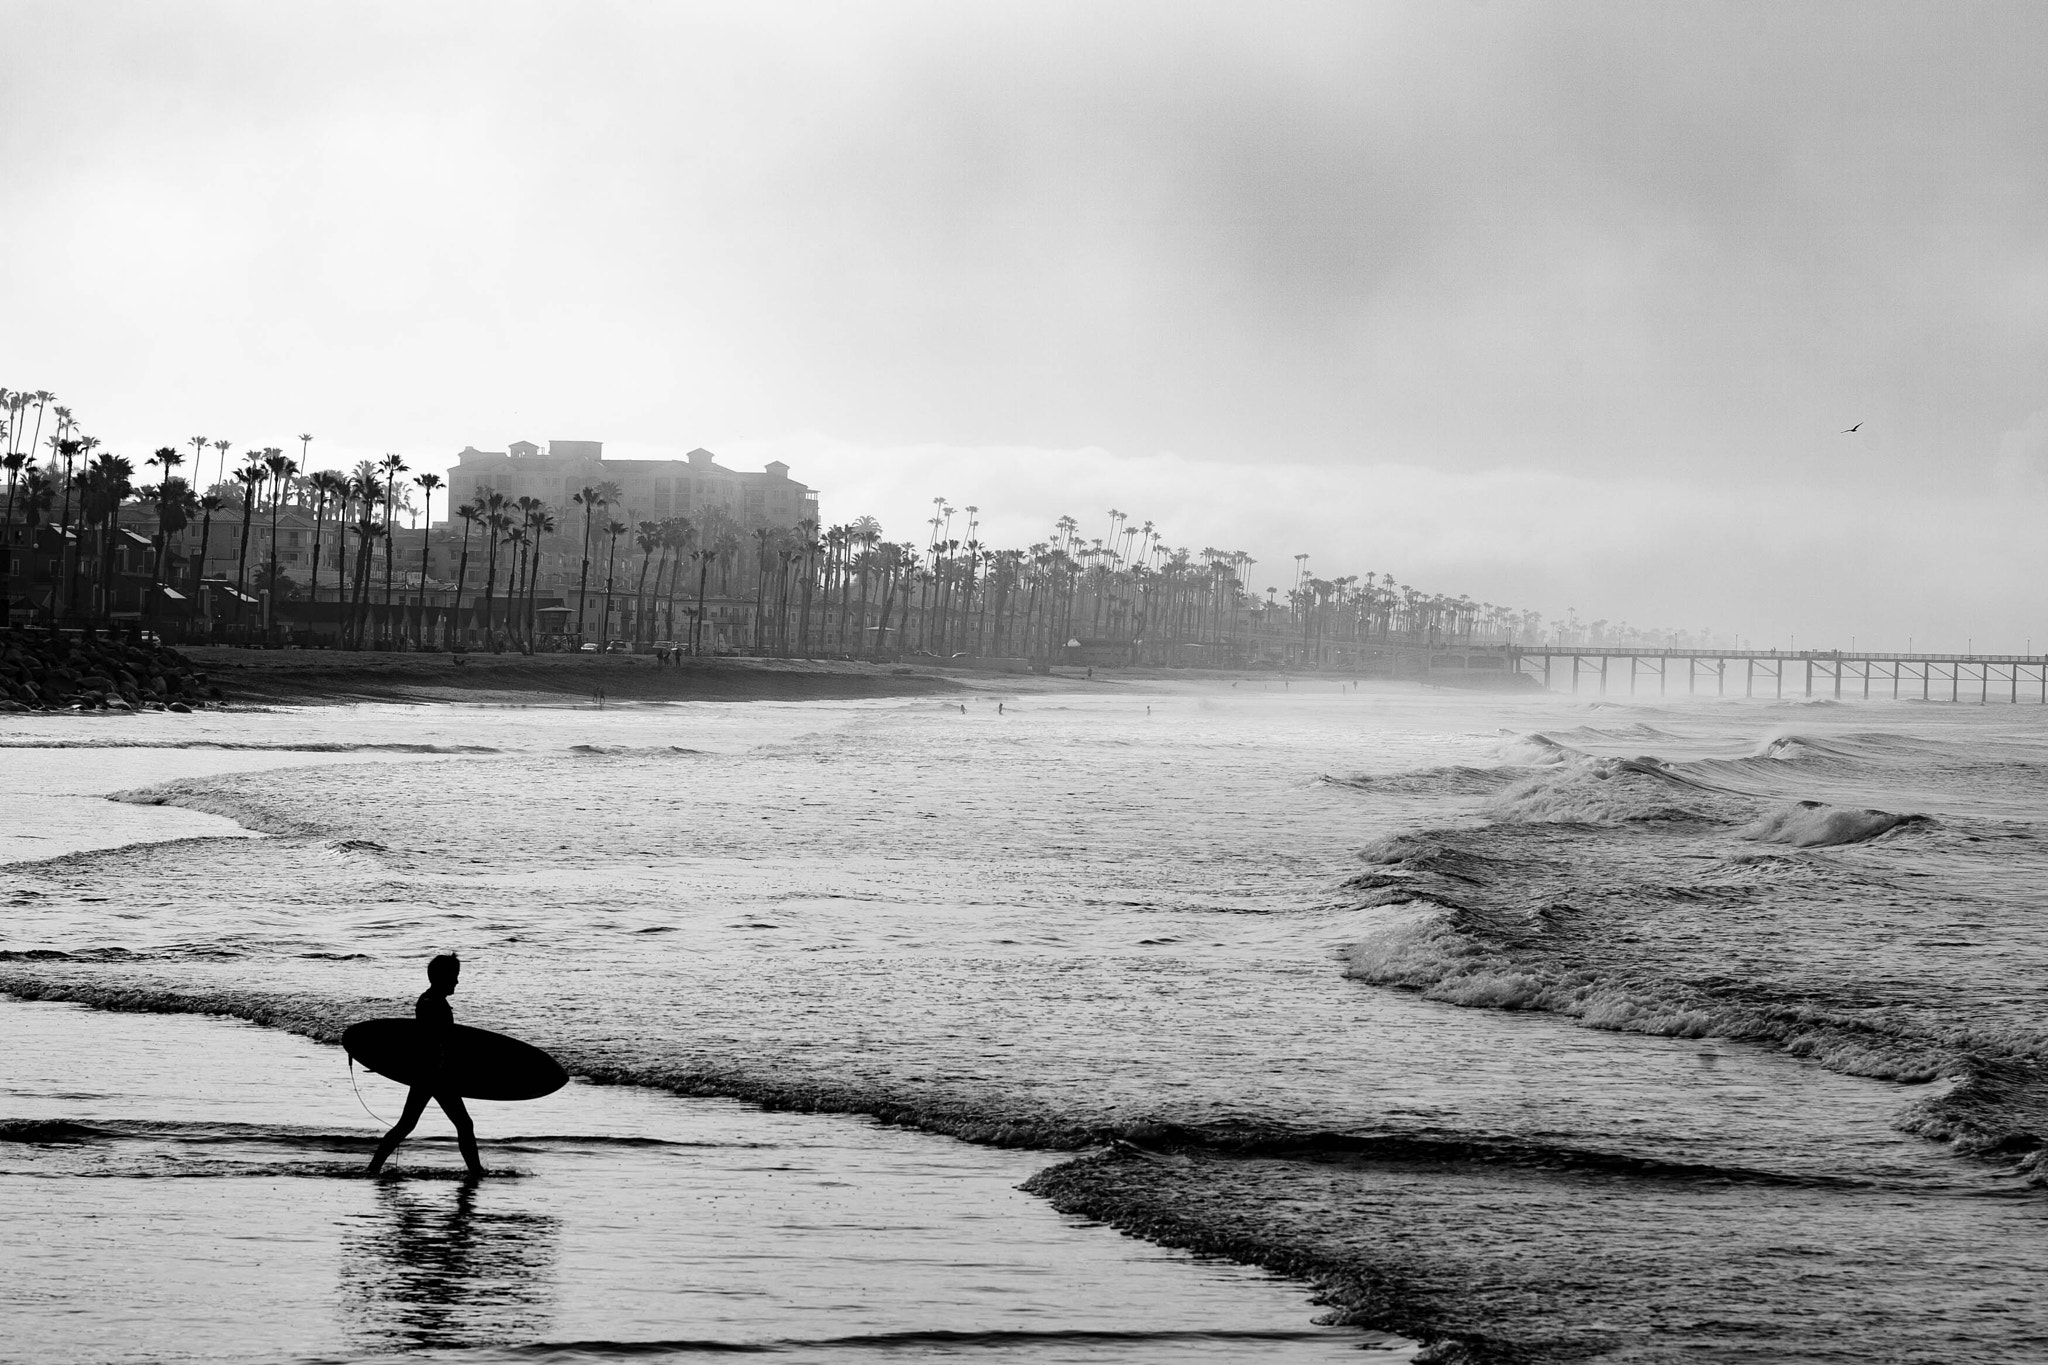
[650,489]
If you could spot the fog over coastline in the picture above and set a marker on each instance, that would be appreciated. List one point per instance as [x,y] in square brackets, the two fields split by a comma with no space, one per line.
[1555,306]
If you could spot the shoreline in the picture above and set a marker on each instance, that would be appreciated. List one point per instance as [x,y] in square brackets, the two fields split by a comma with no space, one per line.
[337,677]
[272,1132]
[334,677]
[45,674]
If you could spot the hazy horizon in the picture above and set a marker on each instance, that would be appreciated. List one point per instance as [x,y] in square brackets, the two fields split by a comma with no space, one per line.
[1558,306]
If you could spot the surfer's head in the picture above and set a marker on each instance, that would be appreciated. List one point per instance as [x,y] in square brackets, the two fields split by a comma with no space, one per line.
[442,971]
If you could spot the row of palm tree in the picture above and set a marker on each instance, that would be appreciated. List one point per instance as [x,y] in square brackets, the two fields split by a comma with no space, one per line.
[842,590]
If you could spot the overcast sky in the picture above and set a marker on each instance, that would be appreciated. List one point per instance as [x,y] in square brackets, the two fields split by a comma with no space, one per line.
[1552,304]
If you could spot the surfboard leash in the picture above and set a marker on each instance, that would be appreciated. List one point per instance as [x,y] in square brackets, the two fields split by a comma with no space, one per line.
[359,1093]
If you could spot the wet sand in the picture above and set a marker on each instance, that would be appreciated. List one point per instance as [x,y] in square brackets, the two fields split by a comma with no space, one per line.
[189,1187]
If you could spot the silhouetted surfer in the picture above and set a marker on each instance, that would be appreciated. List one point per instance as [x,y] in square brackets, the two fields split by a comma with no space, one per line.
[438,1019]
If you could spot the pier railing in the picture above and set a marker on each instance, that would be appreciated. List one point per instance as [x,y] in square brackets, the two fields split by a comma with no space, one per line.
[1836,674]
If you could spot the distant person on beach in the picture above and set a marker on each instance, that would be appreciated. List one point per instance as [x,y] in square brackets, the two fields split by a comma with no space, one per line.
[438,1019]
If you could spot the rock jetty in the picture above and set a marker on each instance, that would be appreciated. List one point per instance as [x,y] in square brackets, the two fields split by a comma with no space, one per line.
[51,671]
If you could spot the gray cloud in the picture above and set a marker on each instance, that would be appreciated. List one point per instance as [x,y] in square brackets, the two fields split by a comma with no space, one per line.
[1678,243]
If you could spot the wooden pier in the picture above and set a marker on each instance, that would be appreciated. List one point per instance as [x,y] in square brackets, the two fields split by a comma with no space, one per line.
[1979,678]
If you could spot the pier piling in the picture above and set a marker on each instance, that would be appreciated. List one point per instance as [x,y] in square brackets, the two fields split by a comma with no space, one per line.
[1833,665]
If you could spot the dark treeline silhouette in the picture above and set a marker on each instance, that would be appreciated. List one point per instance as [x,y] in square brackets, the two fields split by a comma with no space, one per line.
[693,585]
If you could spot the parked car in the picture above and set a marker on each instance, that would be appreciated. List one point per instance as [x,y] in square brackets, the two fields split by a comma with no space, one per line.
[619,647]
[589,647]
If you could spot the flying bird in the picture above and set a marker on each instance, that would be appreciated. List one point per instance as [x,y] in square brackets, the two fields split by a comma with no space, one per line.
[1851,431]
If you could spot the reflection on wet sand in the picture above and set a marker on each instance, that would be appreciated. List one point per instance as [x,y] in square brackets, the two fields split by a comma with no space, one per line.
[432,1265]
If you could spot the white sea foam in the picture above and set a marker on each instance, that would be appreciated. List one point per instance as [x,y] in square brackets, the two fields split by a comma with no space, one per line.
[1813,824]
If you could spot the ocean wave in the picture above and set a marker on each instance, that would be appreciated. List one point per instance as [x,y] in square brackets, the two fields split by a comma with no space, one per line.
[43,1131]
[77,955]
[225,797]
[1853,747]
[1455,780]
[1519,754]
[1633,734]
[1815,824]
[1612,791]
[1431,950]
[1536,750]
[1440,1149]
[1513,916]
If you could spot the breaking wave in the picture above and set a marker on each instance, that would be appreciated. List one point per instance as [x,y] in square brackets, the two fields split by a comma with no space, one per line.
[1815,824]
[1617,893]
[1454,780]
[1611,791]
[214,796]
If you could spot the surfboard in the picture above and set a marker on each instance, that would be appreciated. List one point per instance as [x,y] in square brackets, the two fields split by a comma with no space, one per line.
[478,1064]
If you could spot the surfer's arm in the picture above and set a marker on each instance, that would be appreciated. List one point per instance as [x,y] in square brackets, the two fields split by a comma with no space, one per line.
[437,1020]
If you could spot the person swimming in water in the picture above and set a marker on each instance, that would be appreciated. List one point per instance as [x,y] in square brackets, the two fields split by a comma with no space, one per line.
[437,1020]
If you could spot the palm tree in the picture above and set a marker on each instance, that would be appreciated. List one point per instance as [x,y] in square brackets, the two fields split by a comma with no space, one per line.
[166,458]
[647,535]
[525,509]
[588,499]
[367,531]
[542,524]
[678,531]
[78,447]
[703,558]
[107,483]
[614,529]
[42,397]
[38,495]
[280,467]
[209,503]
[867,533]
[807,531]
[392,466]
[427,483]
[14,461]
[251,477]
[175,503]
[763,537]
[495,522]
[470,516]
[517,538]
[327,487]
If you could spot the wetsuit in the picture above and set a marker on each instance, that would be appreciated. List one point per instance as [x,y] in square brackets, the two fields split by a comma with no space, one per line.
[437,1022]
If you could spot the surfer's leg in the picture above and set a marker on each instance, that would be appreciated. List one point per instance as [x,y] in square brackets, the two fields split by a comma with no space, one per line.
[465,1131]
[415,1105]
